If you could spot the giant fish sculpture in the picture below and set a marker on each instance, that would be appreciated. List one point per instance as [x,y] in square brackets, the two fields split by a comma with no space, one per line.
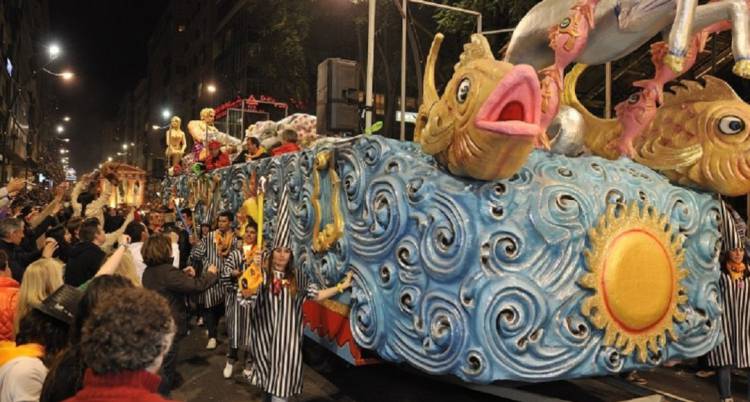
[487,121]
[700,136]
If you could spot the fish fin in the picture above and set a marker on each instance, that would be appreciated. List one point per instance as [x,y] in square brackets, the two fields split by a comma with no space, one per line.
[477,49]
[688,91]
[599,132]
[659,156]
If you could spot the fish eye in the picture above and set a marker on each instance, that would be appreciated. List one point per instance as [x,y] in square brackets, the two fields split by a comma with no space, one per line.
[731,125]
[463,90]
[634,98]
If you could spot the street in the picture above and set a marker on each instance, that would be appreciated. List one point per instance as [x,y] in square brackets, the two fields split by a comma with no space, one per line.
[337,381]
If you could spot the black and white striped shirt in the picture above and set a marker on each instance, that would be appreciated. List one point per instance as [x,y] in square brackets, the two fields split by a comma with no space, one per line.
[237,314]
[276,338]
[207,252]
[734,350]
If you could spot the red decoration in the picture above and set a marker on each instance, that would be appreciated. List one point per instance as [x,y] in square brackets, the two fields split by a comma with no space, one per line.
[251,105]
[331,325]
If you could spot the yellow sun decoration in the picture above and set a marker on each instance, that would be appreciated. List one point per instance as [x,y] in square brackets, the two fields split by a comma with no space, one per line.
[635,268]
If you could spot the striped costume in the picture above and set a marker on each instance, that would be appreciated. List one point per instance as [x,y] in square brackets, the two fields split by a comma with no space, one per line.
[207,252]
[276,333]
[276,337]
[734,350]
[237,314]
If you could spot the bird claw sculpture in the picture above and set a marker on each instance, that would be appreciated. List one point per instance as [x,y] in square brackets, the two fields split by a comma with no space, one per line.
[589,35]
[619,27]
[634,115]
[568,39]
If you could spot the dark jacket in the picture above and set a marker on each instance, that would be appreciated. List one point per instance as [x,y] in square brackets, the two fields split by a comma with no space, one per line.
[84,260]
[31,234]
[19,258]
[112,223]
[175,285]
[184,245]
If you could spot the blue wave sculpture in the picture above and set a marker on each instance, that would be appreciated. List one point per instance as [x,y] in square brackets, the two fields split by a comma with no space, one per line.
[481,280]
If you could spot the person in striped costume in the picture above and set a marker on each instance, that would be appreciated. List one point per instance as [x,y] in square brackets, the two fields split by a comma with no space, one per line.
[237,314]
[734,350]
[276,331]
[213,249]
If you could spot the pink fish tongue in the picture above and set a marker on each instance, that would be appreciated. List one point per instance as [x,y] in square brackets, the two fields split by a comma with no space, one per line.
[512,111]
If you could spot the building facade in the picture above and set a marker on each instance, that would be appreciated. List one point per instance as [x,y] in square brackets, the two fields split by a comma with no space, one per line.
[24,94]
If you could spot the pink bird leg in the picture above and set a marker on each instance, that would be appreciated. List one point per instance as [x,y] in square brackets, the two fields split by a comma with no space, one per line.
[568,40]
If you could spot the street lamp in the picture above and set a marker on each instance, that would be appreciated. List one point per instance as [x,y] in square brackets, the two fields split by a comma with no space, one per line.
[54,51]
[66,119]
[211,88]
[60,129]
[166,113]
[125,146]
[109,159]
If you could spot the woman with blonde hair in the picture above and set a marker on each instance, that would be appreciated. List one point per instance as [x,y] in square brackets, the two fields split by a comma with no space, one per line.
[41,278]
[125,267]
[118,262]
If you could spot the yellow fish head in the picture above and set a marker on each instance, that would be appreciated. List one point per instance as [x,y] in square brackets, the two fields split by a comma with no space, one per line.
[725,162]
[486,122]
[701,138]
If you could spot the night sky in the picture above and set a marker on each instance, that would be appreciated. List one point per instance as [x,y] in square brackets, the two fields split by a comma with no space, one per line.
[104,43]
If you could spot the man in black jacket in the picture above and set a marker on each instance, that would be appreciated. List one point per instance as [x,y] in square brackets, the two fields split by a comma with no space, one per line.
[86,256]
[11,236]
[187,237]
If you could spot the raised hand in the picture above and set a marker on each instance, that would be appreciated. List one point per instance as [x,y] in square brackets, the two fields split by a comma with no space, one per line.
[131,215]
[50,246]
[347,282]
[15,185]
[123,240]
[60,190]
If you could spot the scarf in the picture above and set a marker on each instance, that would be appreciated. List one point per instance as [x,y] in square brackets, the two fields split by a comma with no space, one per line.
[279,282]
[224,242]
[9,351]
[736,270]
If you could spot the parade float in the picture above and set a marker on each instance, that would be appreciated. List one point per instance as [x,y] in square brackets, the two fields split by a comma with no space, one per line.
[130,188]
[483,249]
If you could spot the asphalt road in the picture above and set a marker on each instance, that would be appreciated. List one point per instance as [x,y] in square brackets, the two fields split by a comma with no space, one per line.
[334,380]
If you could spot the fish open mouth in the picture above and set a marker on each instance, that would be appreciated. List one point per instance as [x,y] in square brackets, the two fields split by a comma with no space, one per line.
[514,106]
